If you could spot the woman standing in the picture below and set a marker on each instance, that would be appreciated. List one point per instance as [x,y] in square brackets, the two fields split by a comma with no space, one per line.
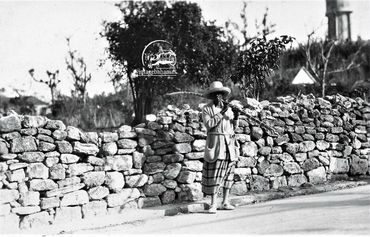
[221,152]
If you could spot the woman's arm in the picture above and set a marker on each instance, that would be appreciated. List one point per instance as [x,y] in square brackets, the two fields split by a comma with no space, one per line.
[210,121]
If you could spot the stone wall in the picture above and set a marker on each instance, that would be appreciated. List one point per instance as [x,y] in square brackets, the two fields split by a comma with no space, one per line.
[52,173]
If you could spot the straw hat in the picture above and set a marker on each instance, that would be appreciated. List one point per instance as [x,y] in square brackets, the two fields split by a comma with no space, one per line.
[216,86]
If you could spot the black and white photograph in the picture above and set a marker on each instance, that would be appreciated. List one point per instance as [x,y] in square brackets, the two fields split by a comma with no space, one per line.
[196,117]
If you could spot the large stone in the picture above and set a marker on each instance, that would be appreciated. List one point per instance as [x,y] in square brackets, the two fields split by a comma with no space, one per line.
[79,168]
[249,149]
[108,136]
[317,175]
[16,175]
[331,137]
[292,148]
[292,168]
[114,181]
[257,133]
[172,170]
[26,210]
[243,137]
[78,197]
[7,195]
[338,165]
[68,181]
[94,208]
[73,133]
[259,183]
[183,137]
[90,137]
[172,158]
[154,189]
[194,155]
[300,157]
[246,162]
[296,180]
[15,166]
[35,220]
[59,135]
[42,185]
[124,196]
[29,198]
[171,184]
[168,197]
[51,202]
[322,145]
[69,158]
[310,164]
[193,165]
[274,170]
[307,146]
[93,179]
[109,149]
[145,131]
[127,143]
[55,125]
[186,176]
[358,166]
[119,162]
[45,138]
[67,214]
[57,172]
[138,159]
[23,144]
[239,188]
[280,140]
[95,161]
[182,148]
[37,170]
[191,192]
[3,148]
[85,148]
[153,168]
[135,181]
[64,147]
[151,202]
[242,174]
[46,146]
[98,193]
[199,145]
[265,150]
[31,157]
[10,123]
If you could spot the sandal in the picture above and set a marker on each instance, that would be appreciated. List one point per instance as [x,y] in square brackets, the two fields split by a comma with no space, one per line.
[227,206]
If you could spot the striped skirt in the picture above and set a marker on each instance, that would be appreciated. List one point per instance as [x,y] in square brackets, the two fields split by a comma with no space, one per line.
[217,174]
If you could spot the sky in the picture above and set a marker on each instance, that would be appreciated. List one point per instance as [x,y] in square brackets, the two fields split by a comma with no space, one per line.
[33,34]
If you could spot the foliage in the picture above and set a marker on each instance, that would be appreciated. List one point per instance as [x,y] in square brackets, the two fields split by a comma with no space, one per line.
[257,62]
[78,69]
[202,54]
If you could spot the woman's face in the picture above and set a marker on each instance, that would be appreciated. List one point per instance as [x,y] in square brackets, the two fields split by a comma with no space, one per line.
[216,96]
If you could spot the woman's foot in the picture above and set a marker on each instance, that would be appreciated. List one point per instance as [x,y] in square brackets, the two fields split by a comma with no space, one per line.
[212,209]
[227,206]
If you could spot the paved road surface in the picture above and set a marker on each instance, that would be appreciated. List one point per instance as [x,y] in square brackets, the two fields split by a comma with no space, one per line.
[339,212]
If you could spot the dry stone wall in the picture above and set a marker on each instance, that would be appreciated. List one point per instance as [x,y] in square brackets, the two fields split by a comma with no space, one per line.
[53,173]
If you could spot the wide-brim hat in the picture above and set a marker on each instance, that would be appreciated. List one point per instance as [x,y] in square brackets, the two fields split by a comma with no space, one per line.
[216,86]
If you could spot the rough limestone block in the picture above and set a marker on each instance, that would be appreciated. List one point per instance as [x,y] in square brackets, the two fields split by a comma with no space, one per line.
[31,157]
[296,180]
[186,176]
[10,123]
[358,166]
[16,175]
[109,149]
[259,183]
[94,208]
[4,209]
[94,178]
[26,210]
[168,197]
[273,170]
[239,188]
[138,159]
[292,168]
[182,148]
[153,168]
[95,161]
[171,184]
[3,148]
[154,189]
[310,164]
[23,144]
[193,165]
[172,158]
[39,219]
[57,172]
[98,193]
[138,180]
[199,145]
[7,195]
[55,125]
[67,214]
[181,137]
[79,168]
[42,185]
[194,155]
[279,182]
[37,170]
[69,158]
[124,196]
[85,148]
[108,136]
[246,162]
[172,170]
[9,223]
[249,149]
[127,143]
[317,175]
[68,181]
[114,181]
[322,145]
[64,190]
[119,162]
[64,147]
[59,135]
[51,202]
[74,198]
[151,202]
[338,165]
[307,146]
[191,192]
[29,198]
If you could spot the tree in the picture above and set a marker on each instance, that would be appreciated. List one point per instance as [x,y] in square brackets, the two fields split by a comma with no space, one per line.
[257,62]
[52,81]
[203,55]
[78,69]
